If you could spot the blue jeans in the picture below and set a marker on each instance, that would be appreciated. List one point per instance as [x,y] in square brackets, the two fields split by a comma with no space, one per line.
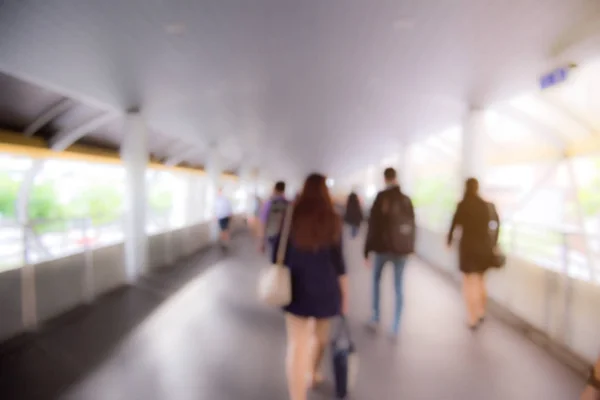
[354,230]
[399,263]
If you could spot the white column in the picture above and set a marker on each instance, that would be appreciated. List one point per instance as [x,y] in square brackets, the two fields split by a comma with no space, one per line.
[473,146]
[403,165]
[134,153]
[192,200]
[29,313]
[213,173]
[245,184]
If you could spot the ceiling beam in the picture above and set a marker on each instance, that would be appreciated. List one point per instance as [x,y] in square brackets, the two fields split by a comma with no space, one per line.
[536,126]
[62,140]
[36,148]
[181,156]
[47,116]
[569,114]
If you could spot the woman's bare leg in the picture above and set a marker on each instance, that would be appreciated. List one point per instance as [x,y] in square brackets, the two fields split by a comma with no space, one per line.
[482,296]
[299,334]
[319,342]
[472,298]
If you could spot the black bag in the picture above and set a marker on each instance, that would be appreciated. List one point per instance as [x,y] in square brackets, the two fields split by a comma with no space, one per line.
[344,360]
[399,219]
[497,257]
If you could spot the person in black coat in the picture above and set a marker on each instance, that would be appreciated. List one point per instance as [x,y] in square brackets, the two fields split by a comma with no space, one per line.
[353,215]
[480,225]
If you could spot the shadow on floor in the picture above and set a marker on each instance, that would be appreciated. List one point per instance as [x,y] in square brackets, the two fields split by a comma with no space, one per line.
[66,349]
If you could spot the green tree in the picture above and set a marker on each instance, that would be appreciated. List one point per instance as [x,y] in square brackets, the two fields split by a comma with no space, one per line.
[102,203]
[45,209]
[160,199]
[434,199]
[590,195]
[9,190]
[435,192]
[44,204]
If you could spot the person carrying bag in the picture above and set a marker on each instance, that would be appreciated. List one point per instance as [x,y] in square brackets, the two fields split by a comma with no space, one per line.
[344,360]
[275,283]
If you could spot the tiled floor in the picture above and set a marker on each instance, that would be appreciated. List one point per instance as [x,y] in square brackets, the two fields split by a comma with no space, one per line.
[198,332]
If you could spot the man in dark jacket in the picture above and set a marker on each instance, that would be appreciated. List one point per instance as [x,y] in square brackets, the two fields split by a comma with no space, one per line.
[391,237]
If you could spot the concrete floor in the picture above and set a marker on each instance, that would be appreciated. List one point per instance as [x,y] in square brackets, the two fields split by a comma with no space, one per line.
[196,331]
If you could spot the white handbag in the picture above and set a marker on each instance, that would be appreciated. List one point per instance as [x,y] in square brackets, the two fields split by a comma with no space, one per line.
[275,281]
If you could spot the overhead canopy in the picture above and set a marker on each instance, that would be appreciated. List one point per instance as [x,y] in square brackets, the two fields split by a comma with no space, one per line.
[288,86]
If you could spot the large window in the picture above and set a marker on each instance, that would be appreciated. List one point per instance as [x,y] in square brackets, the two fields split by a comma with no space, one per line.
[74,205]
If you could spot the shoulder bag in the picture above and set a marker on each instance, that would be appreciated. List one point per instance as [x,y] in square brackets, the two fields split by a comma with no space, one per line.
[497,258]
[275,282]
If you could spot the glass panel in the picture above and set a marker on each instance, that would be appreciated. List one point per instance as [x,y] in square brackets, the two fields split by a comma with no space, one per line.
[12,171]
[74,205]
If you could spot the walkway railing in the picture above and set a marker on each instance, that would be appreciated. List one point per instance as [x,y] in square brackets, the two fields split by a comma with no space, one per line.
[563,250]
[52,266]
[550,283]
[46,239]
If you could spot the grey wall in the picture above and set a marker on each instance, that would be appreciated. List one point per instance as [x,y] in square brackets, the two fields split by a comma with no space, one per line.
[10,303]
[60,282]
[109,268]
[58,285]
[564,309]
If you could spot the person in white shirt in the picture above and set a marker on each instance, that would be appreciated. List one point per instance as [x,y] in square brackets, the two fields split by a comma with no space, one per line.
[223,214]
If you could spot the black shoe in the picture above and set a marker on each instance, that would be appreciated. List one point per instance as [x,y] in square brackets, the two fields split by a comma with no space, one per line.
[475,326]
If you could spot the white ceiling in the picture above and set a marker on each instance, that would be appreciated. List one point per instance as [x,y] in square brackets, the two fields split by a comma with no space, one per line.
[288,85]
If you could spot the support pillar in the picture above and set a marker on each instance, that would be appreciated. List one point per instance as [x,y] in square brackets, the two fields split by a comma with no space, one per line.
[213,173]
[402,166]
[473,146]
[248,186]
[28,290]
[134,153]
[194,201]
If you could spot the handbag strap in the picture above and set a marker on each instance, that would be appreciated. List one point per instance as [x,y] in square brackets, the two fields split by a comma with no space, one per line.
[285,235]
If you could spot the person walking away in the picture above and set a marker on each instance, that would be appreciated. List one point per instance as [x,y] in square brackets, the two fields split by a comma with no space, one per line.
[272,216]
[319,284]
[476,217]
[223,213]
[353,215]
[391,237]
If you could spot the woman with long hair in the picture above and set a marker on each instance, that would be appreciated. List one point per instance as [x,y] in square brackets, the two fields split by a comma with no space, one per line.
[319,286]
[476,217]
[353,214]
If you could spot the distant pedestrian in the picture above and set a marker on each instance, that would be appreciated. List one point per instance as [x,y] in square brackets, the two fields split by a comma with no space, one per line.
[223,213]
[353,214]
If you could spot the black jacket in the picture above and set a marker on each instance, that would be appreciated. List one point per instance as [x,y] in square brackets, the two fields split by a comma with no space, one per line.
[473,215]
[376,234]
[353,214]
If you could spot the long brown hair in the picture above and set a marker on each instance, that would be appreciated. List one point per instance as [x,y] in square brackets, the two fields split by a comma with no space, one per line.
[315,223]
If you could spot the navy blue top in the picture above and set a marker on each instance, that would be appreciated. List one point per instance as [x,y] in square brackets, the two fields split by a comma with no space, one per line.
[315,280]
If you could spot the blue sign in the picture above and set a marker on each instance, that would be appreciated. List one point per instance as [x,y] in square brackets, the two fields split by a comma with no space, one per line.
[555,77]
